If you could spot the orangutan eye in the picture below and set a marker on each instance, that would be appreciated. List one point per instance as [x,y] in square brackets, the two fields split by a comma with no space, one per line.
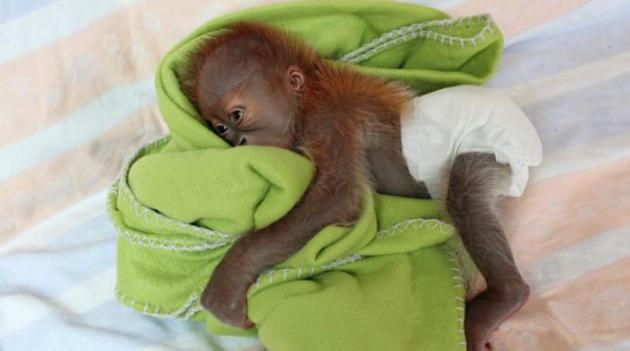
[237,114]
[221,128]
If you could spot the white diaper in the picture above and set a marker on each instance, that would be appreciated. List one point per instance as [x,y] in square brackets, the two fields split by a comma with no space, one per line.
[446,123]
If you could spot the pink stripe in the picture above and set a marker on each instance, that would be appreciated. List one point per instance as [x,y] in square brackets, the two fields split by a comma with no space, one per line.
[562,211]
[120,49]
[56,184]
[591,311]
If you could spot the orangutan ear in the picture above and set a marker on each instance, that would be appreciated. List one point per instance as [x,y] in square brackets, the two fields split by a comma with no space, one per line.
[295,78]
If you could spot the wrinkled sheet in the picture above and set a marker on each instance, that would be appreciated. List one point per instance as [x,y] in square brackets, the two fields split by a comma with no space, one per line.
[76,100]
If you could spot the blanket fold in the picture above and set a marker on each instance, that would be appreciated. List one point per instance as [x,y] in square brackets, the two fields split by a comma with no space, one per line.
[394,280]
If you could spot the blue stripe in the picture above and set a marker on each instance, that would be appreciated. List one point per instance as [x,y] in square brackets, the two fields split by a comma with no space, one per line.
[15,8]
[75,257]
[86,250]
[109,327]
[79,128]
[113,326]
[583,116]
[553,52]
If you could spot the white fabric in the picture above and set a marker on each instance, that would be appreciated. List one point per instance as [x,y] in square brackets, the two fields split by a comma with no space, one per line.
[444,124]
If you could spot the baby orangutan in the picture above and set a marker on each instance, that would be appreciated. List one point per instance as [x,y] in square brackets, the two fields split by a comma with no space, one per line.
[255,85]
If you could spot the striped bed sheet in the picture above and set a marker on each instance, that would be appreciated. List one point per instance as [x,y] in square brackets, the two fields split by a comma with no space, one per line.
[76,99]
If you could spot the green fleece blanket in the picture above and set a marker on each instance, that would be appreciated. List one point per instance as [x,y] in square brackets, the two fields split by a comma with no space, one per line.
[392,281]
